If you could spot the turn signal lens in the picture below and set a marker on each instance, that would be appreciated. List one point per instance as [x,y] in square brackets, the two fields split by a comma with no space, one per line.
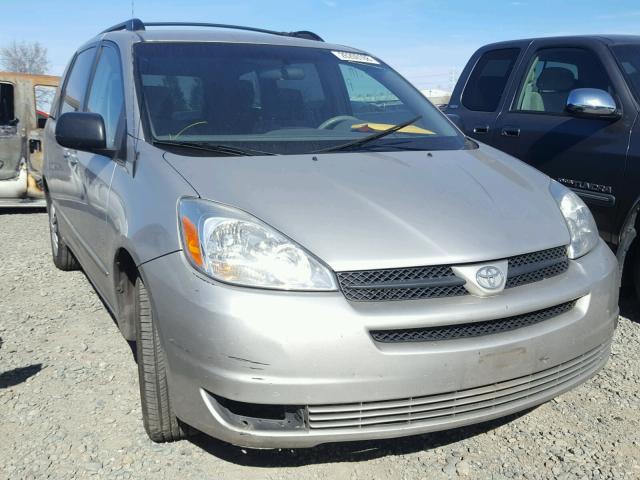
[191,240]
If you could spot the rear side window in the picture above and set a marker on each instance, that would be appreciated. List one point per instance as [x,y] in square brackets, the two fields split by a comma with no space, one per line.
[488,80]
[77,81]
[7,113]
[553,73]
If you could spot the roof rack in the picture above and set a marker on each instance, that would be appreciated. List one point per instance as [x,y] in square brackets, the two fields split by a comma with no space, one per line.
[135,24]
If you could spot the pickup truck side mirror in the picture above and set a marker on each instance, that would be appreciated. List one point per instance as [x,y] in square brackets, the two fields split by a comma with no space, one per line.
[592,102]
[82,131]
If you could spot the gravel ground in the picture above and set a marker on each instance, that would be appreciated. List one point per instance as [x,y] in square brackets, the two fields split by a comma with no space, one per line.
[69,404]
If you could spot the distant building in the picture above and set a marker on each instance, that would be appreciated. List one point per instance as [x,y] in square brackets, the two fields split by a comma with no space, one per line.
[437,96]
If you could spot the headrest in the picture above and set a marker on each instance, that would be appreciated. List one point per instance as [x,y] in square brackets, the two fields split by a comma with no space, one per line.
[245,91]
[555,79]
[290,95]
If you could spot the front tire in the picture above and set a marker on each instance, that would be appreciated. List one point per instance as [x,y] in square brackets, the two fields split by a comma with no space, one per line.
[63,259]
[159,420]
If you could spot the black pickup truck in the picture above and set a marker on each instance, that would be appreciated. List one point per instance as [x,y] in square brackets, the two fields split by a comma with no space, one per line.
[568,106]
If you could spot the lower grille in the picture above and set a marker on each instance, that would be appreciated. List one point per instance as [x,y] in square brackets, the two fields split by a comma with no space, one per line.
[476,401]
[469,330]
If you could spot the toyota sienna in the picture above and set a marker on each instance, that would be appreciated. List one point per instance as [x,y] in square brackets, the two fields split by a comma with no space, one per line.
[305,250]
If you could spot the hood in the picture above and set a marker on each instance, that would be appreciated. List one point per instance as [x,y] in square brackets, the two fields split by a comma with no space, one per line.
[384,210]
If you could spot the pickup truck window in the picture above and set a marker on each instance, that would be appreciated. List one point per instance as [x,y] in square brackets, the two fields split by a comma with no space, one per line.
[553,73]
[628,57]
[489,77]
[6,104]
[44,95]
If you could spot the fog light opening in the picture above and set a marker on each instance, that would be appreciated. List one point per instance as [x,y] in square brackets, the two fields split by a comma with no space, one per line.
[257,416]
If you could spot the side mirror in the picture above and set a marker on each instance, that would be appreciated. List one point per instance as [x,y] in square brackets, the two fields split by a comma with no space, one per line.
[14,122]
[592,102]
[82,131]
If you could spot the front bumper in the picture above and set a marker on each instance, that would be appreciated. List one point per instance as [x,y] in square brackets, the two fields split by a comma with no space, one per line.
[314,350]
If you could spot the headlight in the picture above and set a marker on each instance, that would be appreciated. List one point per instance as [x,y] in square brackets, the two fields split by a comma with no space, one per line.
[232,246]
[582,226]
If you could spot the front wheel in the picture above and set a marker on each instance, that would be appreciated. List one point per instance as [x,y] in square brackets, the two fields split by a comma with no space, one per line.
[159,420]
[62,256]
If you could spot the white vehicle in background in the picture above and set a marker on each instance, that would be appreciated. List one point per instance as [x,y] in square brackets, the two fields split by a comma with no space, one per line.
[25,102]
[440,98]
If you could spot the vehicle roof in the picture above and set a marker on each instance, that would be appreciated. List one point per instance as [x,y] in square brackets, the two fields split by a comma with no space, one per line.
[214,34]
[602,38]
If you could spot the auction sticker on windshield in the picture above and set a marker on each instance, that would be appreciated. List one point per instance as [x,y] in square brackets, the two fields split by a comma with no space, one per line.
[355,57]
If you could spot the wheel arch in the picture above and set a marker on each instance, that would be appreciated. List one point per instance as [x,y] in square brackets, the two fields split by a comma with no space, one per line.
[125,273]
[627,244]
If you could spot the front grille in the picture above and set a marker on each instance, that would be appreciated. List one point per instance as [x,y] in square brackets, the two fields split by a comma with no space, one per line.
[461,404]
[469,330]
[401,283]
[439,280]
[533,267]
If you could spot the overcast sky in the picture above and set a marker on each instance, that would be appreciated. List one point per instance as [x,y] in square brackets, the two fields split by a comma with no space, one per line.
[426,40]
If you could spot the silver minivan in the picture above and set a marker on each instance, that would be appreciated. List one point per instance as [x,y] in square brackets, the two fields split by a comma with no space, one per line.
[306,250]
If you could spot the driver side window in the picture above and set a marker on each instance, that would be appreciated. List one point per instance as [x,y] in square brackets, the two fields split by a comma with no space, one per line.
[106,96]
[552,75]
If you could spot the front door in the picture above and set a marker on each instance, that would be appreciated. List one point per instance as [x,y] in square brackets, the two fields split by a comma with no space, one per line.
[586,154]
[105,97]
[64,175]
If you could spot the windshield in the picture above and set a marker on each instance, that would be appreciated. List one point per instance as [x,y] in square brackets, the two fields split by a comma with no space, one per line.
[282,100]
[629,59]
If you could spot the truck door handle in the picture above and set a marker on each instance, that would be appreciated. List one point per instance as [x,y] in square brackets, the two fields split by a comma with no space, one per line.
[481,129]
[510,132]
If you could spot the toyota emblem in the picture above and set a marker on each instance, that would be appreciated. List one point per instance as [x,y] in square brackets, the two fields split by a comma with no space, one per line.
[489,277]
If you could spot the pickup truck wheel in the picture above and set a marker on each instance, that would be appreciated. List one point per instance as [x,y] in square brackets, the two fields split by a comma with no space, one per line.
[159,420]
[62,256]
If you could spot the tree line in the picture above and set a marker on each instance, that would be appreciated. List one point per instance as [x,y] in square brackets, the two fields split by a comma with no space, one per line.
[24,57]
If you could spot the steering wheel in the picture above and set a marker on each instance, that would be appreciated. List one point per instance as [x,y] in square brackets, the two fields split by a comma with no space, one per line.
[199,122]
[333,121]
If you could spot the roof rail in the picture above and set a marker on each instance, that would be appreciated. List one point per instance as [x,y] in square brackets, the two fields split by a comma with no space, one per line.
[131,25]
[136,24]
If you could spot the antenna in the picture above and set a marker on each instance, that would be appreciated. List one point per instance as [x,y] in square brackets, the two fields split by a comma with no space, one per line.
[132,8]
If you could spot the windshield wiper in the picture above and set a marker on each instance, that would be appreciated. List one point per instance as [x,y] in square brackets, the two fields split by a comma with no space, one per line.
[370,138]
[213,148]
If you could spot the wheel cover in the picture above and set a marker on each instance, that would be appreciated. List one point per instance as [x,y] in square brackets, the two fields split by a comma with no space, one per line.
[53,228]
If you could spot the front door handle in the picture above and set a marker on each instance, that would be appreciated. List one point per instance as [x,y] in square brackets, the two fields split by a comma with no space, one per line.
[510,131]
[481,129]
[71,157]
